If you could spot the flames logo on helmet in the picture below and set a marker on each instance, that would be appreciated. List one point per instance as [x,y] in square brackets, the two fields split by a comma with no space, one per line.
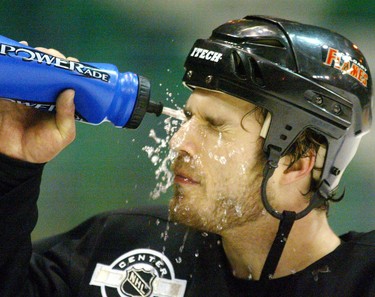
[346,64]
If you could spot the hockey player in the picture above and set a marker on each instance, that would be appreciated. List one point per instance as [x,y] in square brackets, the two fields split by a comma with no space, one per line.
[276,114]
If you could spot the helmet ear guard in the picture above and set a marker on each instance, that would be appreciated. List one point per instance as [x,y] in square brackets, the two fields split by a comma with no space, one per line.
[320,154]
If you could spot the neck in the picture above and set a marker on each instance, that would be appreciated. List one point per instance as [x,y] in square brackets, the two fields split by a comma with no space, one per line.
[247,246]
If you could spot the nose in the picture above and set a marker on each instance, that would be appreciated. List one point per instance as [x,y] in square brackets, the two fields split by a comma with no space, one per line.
[183,140]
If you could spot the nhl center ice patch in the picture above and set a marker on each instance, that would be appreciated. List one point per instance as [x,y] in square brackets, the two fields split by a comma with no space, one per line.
[138,273]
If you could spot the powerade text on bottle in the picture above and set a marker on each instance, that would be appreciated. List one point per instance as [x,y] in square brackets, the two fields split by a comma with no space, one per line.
[35,78]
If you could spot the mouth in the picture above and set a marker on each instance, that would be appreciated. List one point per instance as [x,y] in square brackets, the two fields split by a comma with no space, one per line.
[184,172]
[183,179]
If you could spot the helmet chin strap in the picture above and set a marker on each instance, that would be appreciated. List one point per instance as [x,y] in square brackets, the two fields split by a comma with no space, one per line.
[287,218]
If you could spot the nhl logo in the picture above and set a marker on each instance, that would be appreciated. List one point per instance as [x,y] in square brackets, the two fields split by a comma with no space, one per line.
[138,283]
[139,273]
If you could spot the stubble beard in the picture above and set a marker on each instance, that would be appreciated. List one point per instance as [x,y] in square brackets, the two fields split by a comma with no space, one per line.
[226,213]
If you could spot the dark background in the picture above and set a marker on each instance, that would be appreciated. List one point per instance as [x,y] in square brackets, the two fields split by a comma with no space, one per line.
[106,168]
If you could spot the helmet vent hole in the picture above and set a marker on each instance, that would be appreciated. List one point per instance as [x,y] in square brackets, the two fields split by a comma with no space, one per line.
[283,137]
[256,72]
[289,128]
[239,65]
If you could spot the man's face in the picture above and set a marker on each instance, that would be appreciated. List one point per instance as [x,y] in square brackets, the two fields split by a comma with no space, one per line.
[218,170]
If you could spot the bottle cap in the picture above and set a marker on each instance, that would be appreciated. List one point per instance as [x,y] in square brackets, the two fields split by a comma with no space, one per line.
[141,104]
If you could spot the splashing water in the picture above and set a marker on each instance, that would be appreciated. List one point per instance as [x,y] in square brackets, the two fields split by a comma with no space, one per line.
[181,249]
[163,175]
[159,154]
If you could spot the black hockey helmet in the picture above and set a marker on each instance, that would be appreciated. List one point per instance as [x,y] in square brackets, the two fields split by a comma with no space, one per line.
[305,76]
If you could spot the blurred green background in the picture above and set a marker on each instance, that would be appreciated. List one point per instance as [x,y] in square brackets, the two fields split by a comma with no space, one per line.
[106,168]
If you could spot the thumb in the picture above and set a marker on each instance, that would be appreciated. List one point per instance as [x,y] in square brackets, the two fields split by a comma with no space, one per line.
[65,109]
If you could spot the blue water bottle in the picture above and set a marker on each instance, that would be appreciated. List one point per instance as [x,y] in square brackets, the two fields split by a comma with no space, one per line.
[34,78]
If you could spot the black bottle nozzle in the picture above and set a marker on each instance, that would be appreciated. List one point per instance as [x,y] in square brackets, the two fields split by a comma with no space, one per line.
[156,108]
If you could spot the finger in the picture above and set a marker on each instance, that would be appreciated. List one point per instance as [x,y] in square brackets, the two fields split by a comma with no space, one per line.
[51,51]
[65,121]
[72,59]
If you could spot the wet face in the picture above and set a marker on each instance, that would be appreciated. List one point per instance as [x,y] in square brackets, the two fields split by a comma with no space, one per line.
[218,170]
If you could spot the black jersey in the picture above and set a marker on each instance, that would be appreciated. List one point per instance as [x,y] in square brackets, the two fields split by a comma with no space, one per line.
[139,253]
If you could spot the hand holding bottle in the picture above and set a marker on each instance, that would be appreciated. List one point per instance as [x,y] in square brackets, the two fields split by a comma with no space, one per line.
[35,136]
[35,77]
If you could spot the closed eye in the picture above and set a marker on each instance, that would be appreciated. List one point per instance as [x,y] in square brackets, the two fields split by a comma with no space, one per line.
[211,121]
[188,114]
[215,122]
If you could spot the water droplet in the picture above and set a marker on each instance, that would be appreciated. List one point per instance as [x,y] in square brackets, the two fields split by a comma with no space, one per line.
[157,222]
[223,160]
[154,159]
[178,260]
[186,159]
[183,241]
[204,234]
[238,209]
[196,254]
[166,236]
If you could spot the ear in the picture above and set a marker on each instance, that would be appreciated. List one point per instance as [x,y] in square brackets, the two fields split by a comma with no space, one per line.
[300,169]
